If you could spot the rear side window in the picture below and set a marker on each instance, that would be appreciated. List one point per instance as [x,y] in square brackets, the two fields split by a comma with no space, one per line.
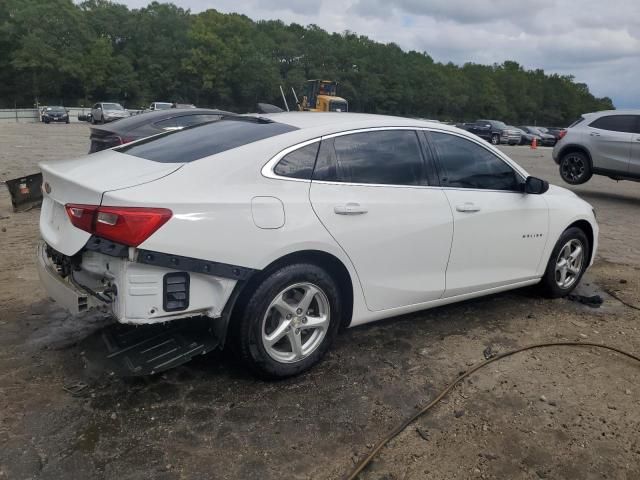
[617,123]
[299,163]
[191,144]
[465,164]
[387,157]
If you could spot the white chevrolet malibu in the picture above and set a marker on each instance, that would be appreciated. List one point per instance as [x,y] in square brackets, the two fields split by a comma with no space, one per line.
[282,229]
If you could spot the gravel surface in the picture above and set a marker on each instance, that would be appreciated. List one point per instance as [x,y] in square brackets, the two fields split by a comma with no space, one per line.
[554,413]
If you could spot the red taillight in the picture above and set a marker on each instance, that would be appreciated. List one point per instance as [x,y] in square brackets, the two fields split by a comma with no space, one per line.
[561,134]
[81,216]
[127,225]
[124,140]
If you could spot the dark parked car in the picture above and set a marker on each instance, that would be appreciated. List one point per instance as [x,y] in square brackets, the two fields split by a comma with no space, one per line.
[525,138]
[493,131]
[55,114]
[545,139]
[557,132]
[151,123]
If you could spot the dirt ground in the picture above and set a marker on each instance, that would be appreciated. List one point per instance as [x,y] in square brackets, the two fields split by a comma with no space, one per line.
[555,413]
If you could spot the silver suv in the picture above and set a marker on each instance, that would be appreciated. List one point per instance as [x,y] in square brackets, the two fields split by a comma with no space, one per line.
[601,143]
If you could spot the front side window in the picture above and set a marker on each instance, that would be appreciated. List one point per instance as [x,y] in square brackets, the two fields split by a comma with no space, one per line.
[465,164]
[617,123]
[299,163]
[387,157]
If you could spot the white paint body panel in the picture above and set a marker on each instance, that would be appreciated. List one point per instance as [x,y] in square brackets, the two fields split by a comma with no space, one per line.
[499,243]
[399,247]
[411,250]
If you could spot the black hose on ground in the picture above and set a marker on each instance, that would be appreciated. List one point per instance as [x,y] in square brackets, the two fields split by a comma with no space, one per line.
[396,431]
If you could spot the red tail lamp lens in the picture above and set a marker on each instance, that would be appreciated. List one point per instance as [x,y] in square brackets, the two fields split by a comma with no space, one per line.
[126,225]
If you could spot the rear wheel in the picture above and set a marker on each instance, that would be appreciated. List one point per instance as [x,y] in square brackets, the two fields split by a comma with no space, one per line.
[567,263]
[575,168]
[289,322]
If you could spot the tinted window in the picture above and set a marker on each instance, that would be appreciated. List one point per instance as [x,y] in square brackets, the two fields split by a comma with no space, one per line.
[464,164]
[616,123]
[190,144]
[391,157]
[299,163]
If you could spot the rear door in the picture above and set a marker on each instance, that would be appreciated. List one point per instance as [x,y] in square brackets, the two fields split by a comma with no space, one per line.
[499,231]
[370,192]
[610,140]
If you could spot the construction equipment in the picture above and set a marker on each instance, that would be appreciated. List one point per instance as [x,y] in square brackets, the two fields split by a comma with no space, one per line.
[320,96]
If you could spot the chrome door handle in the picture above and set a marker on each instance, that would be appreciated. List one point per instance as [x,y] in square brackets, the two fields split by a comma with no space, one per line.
[594,134]
[350,209]
[468,207]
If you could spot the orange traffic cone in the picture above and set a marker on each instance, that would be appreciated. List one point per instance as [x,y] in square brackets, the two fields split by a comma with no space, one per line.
[534,143]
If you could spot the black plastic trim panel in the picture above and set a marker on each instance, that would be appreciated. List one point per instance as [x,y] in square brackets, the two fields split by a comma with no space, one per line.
[102,245]
[196,265]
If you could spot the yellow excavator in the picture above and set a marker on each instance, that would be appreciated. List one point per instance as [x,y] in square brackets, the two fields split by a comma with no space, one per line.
[320,96]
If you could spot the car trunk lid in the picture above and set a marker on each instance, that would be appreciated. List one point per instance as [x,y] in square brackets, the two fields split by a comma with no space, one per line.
[84,181]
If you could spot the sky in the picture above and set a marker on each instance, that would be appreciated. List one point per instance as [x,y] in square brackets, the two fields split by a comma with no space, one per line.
[596,41]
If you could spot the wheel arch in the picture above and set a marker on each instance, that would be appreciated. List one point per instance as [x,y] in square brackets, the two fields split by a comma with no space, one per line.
[587,228]
[334,266]
[574,147]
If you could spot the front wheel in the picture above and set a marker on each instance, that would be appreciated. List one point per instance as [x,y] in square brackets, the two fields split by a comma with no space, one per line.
[575,168]
[495,139]
[289,322]
[567,263]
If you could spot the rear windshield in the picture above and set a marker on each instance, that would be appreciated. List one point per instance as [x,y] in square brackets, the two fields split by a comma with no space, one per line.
[200,141]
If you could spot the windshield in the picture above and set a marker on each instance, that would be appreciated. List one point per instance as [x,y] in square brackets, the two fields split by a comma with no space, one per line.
[162,106]
[112,106]
[534,130]
[498,124]
[56,109]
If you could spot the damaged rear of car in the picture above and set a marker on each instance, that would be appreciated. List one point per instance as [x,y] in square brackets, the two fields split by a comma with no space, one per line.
[93,251]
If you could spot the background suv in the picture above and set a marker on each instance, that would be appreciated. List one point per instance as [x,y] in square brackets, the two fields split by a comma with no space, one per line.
[494,131]
[601,143]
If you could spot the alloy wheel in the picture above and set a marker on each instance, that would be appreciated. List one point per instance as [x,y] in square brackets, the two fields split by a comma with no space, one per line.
[573,168]
[295,323]
[569,263]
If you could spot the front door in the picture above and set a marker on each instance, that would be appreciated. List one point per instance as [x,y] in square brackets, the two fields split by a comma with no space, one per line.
[499,232]
[369,191]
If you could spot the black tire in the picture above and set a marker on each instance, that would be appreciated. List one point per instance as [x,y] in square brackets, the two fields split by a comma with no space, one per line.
[575,168]
[47,122]
[93,120]
[495,139]
[247,322]
[549,283]
[67,122]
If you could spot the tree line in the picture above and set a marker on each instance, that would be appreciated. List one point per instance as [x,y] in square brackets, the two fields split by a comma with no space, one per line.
[60,52]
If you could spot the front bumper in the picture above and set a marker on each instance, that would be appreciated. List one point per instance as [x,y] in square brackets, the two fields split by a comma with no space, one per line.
[510,139]
[56,119]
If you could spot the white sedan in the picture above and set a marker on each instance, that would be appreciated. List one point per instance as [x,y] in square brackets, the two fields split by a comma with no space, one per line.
[286,227]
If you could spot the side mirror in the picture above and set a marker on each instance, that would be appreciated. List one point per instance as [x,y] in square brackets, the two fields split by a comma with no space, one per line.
[535,186]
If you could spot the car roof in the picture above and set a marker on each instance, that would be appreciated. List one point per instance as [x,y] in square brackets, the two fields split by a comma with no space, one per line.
[332,122]
[612,112]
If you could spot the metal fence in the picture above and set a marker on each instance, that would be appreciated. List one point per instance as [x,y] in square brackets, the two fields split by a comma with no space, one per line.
[32,115]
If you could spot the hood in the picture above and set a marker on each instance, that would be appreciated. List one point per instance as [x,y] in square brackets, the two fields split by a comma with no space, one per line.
[560,191]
